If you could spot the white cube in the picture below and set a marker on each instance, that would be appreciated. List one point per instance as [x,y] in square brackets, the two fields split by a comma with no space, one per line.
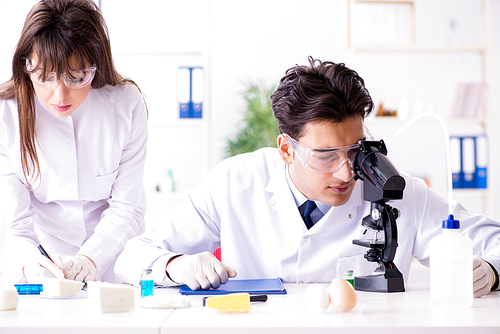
[108,297]
[55,287]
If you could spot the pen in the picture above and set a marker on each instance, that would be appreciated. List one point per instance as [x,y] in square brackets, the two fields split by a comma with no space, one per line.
[44,253]
[258,298]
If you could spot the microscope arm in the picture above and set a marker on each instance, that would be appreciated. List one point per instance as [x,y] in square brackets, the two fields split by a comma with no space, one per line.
[389,215]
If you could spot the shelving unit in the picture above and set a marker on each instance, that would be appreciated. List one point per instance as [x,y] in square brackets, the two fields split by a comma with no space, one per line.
[479,200]
[189,162]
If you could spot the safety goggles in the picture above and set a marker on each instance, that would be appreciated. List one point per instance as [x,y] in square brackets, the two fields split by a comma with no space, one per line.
[324,160]
[73,79]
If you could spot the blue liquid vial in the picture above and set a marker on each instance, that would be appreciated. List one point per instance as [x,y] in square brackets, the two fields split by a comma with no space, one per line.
[147,283]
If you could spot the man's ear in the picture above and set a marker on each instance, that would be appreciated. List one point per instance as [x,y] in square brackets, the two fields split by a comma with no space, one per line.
[285,149]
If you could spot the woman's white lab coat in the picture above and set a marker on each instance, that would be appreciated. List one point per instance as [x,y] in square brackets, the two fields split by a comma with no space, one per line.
[89,197]
[246,206]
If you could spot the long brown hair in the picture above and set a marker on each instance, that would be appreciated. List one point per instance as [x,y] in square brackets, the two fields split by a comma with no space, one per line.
[56,31]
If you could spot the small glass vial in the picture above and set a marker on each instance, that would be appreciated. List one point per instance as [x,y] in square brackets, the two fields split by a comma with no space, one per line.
[147,283]
[348,276]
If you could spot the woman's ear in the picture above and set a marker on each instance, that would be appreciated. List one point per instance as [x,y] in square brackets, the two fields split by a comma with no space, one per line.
[285,149]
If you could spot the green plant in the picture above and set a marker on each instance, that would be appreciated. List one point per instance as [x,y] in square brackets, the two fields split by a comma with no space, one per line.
[259,128]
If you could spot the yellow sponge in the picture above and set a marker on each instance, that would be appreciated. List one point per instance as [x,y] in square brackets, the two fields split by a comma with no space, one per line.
[232,303]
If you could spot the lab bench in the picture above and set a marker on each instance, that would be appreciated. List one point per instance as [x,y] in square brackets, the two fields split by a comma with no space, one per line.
[402,312]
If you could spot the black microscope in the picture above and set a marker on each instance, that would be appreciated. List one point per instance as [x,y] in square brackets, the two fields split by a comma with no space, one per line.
[381,183]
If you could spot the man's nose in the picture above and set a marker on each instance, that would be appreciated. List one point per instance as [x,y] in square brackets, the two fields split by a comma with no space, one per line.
[345,171]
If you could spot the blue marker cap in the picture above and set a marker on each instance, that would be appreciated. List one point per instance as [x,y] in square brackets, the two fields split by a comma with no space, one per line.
[451,223]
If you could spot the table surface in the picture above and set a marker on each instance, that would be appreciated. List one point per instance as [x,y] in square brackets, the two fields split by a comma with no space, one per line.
[406,312]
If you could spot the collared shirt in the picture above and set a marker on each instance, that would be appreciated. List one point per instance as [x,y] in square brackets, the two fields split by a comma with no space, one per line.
[300,199]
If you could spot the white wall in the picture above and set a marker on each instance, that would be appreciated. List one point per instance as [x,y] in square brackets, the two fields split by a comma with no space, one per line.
[244,41]
[258,41]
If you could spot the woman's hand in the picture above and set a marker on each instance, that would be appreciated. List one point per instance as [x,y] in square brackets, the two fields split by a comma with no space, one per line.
[43,267]
[79,268]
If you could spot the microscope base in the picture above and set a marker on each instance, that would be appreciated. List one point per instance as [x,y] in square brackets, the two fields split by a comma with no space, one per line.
[378,282]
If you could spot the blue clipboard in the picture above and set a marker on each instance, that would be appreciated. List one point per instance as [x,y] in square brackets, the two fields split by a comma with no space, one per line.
[252,286]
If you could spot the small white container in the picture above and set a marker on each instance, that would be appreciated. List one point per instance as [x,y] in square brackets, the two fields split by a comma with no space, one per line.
[9,298]
[451,267]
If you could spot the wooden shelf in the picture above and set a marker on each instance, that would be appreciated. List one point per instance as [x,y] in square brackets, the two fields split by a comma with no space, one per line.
[420,48]
[180,122]
[448,120]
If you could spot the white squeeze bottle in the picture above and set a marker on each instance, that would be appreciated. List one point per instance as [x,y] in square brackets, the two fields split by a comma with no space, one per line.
[451,267]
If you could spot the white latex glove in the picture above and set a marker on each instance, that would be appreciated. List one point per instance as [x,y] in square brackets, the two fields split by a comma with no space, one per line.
[483,276]
[41,267]
[201,270]
[79,268]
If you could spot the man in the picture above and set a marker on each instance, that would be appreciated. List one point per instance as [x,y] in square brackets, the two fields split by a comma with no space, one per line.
[251,204]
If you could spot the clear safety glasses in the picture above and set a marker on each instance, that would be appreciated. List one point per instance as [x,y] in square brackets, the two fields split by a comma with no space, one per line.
[324,160]
[73,79]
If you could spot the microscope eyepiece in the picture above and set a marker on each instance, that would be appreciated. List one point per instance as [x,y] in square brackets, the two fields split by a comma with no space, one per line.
[382,181]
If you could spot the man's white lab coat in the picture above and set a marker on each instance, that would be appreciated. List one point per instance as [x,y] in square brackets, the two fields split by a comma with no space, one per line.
[89,197]
[246,206]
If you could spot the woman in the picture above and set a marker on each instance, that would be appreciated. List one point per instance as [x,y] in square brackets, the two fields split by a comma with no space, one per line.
[73,136]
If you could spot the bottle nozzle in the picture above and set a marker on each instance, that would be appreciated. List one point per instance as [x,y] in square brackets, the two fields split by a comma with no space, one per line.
[451,223]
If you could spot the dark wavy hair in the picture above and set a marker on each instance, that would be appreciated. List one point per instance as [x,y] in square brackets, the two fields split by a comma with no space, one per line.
[57,31]
[323,91]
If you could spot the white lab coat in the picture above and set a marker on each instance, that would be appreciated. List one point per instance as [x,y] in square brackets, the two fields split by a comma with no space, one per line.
[90,197]
[246,206]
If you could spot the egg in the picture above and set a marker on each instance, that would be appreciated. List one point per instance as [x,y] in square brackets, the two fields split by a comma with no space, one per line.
[317,298]
[342,295]
[9,298]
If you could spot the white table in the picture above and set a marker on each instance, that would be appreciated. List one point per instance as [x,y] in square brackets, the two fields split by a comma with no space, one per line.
[35,314]
[407,312]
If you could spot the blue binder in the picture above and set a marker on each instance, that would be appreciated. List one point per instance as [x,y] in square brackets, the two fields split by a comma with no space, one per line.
[481,176]
[469,161]
[456,161]
[190,92]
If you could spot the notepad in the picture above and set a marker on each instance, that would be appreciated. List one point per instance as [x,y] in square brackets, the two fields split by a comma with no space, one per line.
[252,286]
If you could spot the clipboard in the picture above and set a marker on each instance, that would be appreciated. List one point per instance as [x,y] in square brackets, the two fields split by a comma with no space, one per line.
[252,286]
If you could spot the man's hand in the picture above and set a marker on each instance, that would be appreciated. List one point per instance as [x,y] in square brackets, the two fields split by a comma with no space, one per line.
[42,267]
[201,270]
[484,276]
[79,268]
